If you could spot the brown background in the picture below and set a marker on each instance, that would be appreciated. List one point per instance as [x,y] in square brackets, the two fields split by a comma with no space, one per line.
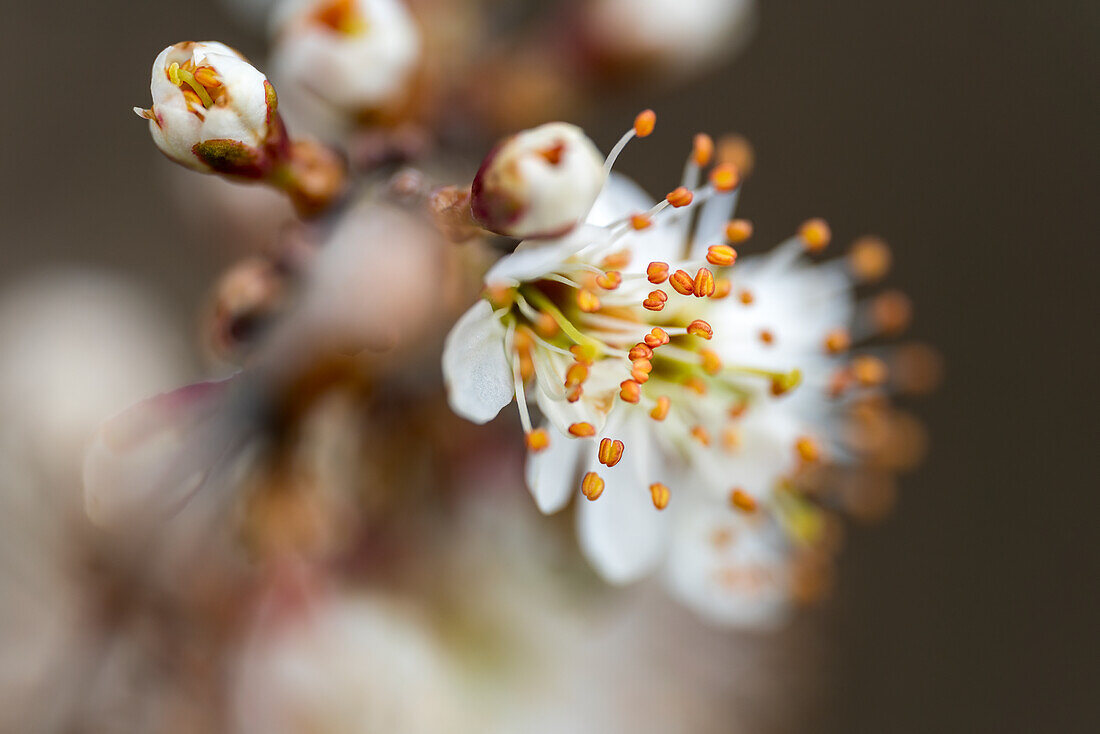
[965,132]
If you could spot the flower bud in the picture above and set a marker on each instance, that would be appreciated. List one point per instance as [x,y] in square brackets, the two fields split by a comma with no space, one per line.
[538,183]
[355,55]
[212,110]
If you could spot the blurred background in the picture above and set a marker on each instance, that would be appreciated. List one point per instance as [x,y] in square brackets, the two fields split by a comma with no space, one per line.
[963,132]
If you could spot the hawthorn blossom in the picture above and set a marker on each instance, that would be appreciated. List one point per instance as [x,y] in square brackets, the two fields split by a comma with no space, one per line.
[681,395]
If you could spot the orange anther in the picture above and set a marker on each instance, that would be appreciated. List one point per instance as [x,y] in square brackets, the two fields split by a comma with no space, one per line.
[653,304]
[742,501]
[722,287]
[630,391]
[738,409]
[576,375]
[616,260]
[837,341]
[592,486]
[816,234]
[869,371]
[193,100]
[574,393]
[702,149]
[700,328]
[587,301]
[660,495]
[696,384]
[738,230]
[703,285]
[725,177]
[869,258]
[731,439]
[644,123]
[660,410]
[701,435]
[656,337]
[712,363]
[721,255]
[583,353]
[640,221]
[682,282]
[746,297]
[610,280]
[546,326]
[681,196]
[610,451]
[657,272]
[582,430]
[538,440]
[552,154]
[807,449]
[639,374]
[892,311]
[767,336]
[643,365]
[640,351]
[207,77]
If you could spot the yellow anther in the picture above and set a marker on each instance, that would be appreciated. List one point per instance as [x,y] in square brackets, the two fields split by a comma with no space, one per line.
[815,233]
[592,486]
[837,341]
[702,149]
[657,272]
[538,440]
[582,430]
[701,435]
[722,287]
[869,259]
[680,197]
[587,301]
[660,410]
[738,230]
[725,177]
[682,282]
[712,363]
[703,285]
[807,449]
[630,391]
[721,255]
[576,375]
[583,353]
[741,500]
[640,221]
[610,280]
[644,123]
[700,328]
[660,495]
[611,452]
[783,384]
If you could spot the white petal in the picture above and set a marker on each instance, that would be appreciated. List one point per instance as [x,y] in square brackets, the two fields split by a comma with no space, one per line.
[534,259]
[621,533]
[475,366]
[552,473]
[732,569]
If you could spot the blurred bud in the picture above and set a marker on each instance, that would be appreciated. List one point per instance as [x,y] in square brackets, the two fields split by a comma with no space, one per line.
[678,36]
[538,183]
[356,55]
[245,299]
[212,110]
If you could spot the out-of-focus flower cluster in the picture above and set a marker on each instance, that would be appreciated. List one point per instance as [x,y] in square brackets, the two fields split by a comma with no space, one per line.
[319,539]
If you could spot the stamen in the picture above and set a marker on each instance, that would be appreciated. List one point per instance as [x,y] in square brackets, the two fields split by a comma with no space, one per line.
[643,126]
[746,297]
[644,123]
[722,288]
[701,435]
[700,328]
[696,384]
[611,452]
[808,450]
[712,363]
[576,375]
[703,285]
[657,272]
[742,501]
[546,326]
[574,394]
[639,222]
[538,440]
[657,337]
[640,351]
[583,353]
[869,259]
[582,430]
[682,283]
[724,178]
[206,76]
[655,301]
[869,371]
[815,234]
[738,230]
[630,391]
[721,255]
[616,260]
[702,150]
[837,341]
[892,311]
[660,411]
[731,440]
[610,280]
[680,197]
[592,486]
[767,337]
[783,384]
[660,495]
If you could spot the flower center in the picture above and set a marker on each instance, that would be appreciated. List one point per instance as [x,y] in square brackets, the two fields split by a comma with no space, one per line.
[201,85]
[342,16]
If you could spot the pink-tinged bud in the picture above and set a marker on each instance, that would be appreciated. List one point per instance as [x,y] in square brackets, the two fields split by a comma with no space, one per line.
[212,110]
[538,183]
[355,55]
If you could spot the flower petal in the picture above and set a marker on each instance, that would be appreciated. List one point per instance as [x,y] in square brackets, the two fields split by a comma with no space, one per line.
[475,366]
[552,473]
